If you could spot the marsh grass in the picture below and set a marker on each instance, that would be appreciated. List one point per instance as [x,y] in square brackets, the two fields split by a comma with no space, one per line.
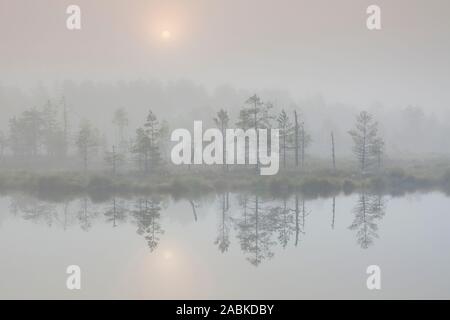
[313,182]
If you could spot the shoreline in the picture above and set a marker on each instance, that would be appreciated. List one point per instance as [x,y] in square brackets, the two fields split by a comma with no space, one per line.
[193,184]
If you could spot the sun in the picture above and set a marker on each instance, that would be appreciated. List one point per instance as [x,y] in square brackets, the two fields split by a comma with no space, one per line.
[167,255]
[166,35]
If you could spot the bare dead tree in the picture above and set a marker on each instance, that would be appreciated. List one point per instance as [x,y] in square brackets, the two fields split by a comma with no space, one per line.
[333,156]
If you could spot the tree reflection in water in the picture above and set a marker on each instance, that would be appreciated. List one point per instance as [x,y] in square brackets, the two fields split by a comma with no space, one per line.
[147,217]
[254,230]
[116,213]
[258,223]
[223,238]
[368,211]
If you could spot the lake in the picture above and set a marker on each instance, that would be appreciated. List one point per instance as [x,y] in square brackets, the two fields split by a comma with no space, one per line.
[226,246]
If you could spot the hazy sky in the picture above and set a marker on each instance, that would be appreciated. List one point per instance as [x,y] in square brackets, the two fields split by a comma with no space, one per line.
[303,46]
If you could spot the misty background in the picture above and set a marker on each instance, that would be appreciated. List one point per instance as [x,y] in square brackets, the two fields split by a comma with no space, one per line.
[317,56]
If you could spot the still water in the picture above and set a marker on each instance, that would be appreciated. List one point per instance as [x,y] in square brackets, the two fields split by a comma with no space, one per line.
[226,246]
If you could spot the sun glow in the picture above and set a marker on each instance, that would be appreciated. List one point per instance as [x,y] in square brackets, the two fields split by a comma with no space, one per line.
[166,35]
[167,255]
[167,25]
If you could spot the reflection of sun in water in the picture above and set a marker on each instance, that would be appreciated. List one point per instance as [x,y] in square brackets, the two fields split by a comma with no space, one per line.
[167,255]
[166,35]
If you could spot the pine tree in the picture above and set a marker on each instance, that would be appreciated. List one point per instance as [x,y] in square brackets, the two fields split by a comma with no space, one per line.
[146,145]
[286,133]
[87,141]
[221,122]
[256,115]
[302,140]
[364,138]
[377,151]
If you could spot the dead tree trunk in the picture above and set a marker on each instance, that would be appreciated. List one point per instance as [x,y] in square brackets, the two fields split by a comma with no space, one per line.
[114,160]
[303,145]
[296,138]
[334,211]
[332,152]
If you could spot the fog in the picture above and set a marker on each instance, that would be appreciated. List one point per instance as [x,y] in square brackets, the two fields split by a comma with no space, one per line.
[353,123]
[316,55]
[409,129]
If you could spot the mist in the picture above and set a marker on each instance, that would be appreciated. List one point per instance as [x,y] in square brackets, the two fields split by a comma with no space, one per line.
[328,154]
[409,129]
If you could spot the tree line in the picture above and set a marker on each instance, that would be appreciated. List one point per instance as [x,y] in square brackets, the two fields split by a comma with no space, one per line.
[44,132]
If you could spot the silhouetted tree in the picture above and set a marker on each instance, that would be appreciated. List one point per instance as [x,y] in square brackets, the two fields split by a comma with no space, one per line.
[244,200]
[334,212]
[26,133]
[146,145]
[296,137]
[333,154]
[300,213]
[147,216]
[377,151]
[115,213]
[286,132]
[285,223]
[255,232]
[84,216]
[368,211]
[221,120]
[153,131]
[37,131]
[52,132]
[33,209]
[223,239]
[65,126]
[297,219]
[364,137]
[114,159]
[194,207]
[256,115]
[140,148]
[87,142]
[301,140]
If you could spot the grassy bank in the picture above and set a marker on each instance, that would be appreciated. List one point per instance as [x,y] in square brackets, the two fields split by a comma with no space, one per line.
[189,183]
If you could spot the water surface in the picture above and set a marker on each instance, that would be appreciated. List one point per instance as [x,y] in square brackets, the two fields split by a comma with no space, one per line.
[226,246]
